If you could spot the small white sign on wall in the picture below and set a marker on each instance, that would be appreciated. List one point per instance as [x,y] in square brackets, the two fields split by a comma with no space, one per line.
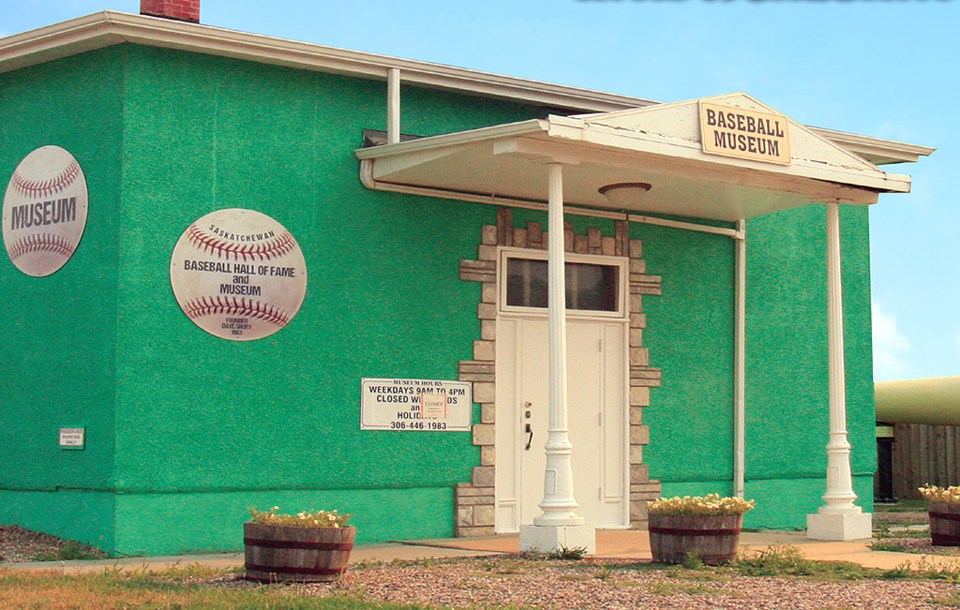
[73,438]
[419,405]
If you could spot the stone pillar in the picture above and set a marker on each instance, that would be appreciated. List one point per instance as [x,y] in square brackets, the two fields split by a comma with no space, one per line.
[839,518]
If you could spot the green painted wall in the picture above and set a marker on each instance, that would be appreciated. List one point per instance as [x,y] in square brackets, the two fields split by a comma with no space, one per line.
[690,335]
[57,349]
[255,420]
[210,522]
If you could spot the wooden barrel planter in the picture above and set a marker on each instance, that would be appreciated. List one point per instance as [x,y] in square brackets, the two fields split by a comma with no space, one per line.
[945,524]
[714,538]
[274,553]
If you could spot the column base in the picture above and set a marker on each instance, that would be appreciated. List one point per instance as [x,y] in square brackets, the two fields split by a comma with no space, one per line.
[550,538]
[840,526]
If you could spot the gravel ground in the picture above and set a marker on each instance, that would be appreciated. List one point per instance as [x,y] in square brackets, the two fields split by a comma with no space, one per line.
[18,544]
[610,584]
[485,582]
[922,546]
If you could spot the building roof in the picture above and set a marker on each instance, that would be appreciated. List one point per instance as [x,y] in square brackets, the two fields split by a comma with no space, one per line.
[109,28]
[658,145]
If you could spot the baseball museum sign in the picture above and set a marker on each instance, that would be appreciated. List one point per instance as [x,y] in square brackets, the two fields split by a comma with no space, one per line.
[238,274]
[744,134]
[44,211]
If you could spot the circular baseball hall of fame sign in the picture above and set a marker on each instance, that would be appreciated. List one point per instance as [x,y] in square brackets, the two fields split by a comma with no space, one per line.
[44,211]
[238,274]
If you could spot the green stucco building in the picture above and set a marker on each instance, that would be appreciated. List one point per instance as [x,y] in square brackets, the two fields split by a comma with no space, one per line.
[697,316]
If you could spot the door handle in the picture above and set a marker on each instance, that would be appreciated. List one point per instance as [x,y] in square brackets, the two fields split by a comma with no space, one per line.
[529,431]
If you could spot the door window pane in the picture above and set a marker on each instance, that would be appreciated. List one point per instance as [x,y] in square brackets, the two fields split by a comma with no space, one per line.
[590,287]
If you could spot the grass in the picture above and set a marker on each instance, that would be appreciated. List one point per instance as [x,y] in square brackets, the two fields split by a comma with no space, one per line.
[949,601]
[176,589]
[788,561]
[671,588]
[908,505]
[783,560]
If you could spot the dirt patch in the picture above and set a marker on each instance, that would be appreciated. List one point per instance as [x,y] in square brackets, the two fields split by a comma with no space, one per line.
[18,545]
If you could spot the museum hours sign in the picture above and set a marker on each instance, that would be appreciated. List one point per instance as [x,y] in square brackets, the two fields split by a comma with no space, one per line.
[417,405]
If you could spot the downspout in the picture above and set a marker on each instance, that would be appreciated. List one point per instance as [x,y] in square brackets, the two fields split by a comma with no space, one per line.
[740,361]
[393,105]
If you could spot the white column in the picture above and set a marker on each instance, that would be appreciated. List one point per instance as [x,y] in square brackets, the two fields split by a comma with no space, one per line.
[839,518]
[559,525]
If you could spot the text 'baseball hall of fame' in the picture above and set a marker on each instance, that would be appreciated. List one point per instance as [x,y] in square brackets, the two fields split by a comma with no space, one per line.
[238,274]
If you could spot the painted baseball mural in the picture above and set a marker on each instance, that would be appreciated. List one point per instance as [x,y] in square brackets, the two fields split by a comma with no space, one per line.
[238,274]
[44,211]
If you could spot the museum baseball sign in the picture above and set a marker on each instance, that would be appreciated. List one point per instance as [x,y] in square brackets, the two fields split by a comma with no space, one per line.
[44,211]
[238,274]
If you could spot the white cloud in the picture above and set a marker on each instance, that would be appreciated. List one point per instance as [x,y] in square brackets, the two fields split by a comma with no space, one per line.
[890,346]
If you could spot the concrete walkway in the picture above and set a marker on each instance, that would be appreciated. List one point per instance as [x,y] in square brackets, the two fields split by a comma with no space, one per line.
[621,544]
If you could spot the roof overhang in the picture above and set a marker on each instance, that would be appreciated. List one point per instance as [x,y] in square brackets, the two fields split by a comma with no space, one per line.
[109,28]
[659,145]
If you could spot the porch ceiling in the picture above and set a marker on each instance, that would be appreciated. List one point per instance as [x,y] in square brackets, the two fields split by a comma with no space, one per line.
[659,145]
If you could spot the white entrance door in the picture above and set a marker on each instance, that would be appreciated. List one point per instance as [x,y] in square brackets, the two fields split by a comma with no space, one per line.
[597,418]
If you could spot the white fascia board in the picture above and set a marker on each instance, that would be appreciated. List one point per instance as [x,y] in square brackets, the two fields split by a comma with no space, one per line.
[109,28]
[875,150]
[575,129]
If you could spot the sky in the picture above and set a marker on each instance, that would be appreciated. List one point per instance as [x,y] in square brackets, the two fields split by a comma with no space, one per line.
[882,68]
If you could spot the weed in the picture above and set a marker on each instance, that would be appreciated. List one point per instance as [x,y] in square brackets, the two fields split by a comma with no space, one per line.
[928,569]
[785,560]
[891,547]
[604,573]
[567,553]
[70,550]
[692,560]
[901,532]
[951,601]
[901,572]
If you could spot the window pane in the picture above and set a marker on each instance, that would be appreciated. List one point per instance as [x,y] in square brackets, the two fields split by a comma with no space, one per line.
[526,282]
[589,287]
[592,287]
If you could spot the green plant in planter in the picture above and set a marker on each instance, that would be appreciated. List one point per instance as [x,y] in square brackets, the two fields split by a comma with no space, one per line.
[319,518]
